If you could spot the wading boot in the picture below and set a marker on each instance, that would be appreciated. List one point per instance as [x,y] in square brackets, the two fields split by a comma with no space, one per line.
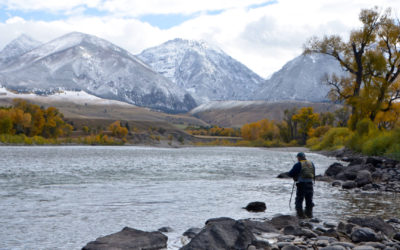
[300,214]
[309,212]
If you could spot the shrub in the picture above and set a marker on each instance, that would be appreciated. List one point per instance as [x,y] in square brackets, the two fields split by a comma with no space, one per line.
[335,138]
[377,145]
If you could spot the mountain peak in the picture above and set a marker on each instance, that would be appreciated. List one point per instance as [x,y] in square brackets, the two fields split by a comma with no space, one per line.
[300,79]
[17,47]
[203,70]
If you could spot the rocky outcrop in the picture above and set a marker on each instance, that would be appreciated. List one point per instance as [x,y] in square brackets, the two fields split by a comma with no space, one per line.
[280,232]
[222,233]
[131,239]
[367,173]
[287,232]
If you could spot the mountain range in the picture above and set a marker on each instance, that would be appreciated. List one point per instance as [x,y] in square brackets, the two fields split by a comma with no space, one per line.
[79,61]
[173,77]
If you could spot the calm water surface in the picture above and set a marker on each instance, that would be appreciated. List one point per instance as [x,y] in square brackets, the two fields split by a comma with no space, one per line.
[64,197]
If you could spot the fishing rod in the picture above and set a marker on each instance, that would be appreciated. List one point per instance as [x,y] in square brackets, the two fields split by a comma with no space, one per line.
[291,195]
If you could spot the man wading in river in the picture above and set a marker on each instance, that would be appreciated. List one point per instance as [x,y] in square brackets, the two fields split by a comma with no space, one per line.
[303,173]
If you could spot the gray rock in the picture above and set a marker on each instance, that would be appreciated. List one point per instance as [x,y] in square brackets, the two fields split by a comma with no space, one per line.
[131,239]
[349,185]
[330,239]
[306,224]
[376,223]
[337,247]
[377,245]
[286,238]
[374,161]
[320,229]
[363,247]
[283,244]
[281,221]
[363,234]
[222,233]
[290,247]
[344,244]
[260,226]
[351,171]
[251,247]
[315,220]
[394,220]
[330,224]
[397,236]
[298,231]
[363,178]
[368,187]
[345,228]
[192,232]
[256,206]
[336,184]
[334,169]
[322,243]
[165,229]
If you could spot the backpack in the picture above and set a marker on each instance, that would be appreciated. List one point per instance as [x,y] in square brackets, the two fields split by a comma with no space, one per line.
[307,170]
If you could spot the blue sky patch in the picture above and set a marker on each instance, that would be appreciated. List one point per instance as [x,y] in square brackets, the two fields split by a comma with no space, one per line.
[30,15]
[260,5]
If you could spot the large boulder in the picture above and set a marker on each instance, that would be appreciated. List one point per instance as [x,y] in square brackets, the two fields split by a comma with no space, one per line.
[363,178]
[334,169]
[282,221]
[364,234]
[350,172]
[259,226]
[376,161]
[131,239]
[222,233]
[376,223]
[192,232]
[256,206]
[349,185]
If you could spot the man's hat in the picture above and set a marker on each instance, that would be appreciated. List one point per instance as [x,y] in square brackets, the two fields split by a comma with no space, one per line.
[301,155]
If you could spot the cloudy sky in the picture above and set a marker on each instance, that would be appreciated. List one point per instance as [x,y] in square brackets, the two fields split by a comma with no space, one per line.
[262,34]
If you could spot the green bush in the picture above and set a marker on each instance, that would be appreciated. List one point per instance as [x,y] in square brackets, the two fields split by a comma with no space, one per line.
[335,138]
[377,145]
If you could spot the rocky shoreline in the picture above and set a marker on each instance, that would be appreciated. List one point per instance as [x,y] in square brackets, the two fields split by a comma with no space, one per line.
[284,232]
[368,173]
[372,174]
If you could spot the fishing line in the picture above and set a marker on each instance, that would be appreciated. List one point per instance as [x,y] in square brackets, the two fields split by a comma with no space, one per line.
[291,195]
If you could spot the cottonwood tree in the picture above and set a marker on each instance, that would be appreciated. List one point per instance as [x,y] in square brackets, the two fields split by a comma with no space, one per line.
[371,56]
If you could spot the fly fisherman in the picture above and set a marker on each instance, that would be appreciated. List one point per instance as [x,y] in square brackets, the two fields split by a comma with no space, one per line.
[303,173]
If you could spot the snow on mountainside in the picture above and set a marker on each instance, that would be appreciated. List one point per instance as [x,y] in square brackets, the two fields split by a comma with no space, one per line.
[206,72]
[300,79]
[17,47]
[79,61]
[77,97]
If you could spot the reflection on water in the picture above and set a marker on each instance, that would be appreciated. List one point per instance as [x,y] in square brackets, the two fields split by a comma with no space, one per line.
[64,197]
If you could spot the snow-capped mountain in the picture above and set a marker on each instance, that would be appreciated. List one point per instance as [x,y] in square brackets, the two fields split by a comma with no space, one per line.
[17,47]
[79,61]
[300,79]
[206,72]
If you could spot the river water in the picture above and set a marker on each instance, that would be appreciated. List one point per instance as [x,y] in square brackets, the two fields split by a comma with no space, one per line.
[64,197]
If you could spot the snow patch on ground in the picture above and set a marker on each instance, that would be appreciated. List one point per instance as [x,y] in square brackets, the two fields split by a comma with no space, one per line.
[78,97]
[224,105]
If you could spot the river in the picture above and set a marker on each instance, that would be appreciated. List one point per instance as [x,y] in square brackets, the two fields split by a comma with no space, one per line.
[64,197]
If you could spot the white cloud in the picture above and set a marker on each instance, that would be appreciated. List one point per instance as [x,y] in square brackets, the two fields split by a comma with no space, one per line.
[262,38]
[53,6]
